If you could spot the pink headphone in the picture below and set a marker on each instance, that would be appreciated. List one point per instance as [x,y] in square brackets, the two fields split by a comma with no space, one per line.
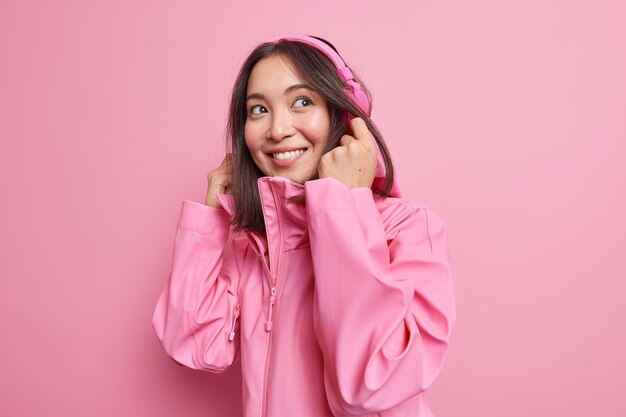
[357,94]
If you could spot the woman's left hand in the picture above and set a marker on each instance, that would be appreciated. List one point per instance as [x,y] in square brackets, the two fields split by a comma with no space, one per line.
[354,162]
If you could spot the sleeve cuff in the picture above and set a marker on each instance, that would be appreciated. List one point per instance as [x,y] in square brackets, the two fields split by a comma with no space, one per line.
[201,218]
[364,203]
[329,193]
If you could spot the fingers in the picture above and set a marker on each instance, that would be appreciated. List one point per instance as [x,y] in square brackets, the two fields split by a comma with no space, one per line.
[345,139]
[361,132]
[227,162]
[359,128]
[223,174]
[219,180]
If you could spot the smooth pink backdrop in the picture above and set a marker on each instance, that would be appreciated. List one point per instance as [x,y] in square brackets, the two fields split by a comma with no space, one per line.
[509,117]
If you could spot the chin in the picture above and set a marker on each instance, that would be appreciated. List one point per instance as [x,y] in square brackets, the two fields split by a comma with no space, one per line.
[296,177]
[304,178]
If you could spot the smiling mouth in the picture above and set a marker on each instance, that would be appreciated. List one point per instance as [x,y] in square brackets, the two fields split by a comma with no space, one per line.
[288,155]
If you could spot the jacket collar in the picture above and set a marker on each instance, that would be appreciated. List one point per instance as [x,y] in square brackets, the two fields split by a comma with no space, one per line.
[280,187]
[285,219]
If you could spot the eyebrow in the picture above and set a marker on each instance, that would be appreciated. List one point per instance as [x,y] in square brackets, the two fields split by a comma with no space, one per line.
[287,90]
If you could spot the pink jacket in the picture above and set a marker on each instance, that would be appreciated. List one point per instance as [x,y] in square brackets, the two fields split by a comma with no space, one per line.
[352,317]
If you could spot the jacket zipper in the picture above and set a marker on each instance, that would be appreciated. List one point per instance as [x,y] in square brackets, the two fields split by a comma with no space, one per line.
[271,310]
[231,336]
[268,348]
[269,322]
[236,311]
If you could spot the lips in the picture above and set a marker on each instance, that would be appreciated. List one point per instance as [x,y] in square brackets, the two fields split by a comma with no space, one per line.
[287,154]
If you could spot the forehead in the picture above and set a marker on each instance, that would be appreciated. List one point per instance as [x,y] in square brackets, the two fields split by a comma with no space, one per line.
[271,73]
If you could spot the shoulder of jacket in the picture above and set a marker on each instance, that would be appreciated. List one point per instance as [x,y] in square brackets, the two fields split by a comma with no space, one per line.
[394,207]
[396,211]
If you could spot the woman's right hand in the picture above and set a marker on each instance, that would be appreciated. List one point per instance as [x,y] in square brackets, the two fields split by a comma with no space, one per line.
[219,180]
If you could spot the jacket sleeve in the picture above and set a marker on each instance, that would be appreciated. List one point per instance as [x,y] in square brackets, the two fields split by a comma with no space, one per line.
[194,315]
[384,303]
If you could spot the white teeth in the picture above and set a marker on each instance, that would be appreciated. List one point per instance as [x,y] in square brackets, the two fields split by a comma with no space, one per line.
[287,155]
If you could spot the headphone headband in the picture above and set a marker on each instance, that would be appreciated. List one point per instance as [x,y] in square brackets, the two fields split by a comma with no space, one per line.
[356,94]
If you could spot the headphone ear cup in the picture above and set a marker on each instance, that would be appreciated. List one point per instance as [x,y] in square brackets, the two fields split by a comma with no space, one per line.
[358,96]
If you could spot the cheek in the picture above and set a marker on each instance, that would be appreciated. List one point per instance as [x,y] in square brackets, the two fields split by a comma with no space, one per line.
[251,138]
[318,128]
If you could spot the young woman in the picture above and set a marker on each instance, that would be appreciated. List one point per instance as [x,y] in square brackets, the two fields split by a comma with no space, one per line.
[305,263]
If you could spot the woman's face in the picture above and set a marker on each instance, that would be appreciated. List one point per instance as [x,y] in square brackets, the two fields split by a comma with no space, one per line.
[287,123]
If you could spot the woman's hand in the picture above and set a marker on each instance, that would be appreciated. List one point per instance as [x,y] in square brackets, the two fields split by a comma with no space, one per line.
[354,162]
[218,180]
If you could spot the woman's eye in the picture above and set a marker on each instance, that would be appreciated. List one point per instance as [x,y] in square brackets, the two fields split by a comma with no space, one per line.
[304,102]
[258,109]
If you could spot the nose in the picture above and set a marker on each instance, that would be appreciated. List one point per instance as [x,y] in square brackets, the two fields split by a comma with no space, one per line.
[281,126]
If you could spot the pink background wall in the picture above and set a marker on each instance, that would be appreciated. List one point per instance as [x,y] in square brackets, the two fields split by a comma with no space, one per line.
[509,117]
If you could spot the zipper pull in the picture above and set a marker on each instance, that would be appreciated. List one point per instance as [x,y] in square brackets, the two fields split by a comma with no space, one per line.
[231,336]
[268,323]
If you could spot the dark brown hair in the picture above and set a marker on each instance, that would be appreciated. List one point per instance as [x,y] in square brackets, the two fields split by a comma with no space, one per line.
[317,70]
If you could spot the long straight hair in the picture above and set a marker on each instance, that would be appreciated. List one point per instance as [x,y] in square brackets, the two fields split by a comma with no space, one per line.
[316,69]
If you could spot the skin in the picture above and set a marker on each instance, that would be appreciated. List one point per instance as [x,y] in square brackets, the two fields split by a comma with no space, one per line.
[281,118]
